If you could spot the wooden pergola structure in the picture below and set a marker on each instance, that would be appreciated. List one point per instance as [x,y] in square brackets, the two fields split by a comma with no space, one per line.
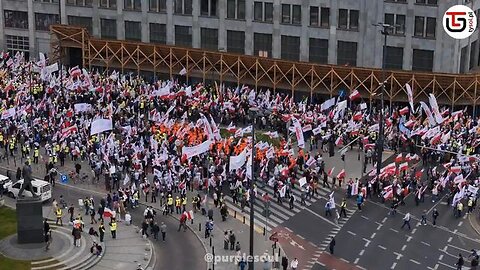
[309,78]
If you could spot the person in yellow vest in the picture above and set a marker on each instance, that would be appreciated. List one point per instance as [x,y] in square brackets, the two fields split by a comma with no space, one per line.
[1,140]
[12,146]
[36,154]
[178,205]
[170,204]
[58,214]
[101,230]
[24,151]
[459,209]
[194,204]
[55,159]
[113,228]
[184,203]
[470,205]
[343,208]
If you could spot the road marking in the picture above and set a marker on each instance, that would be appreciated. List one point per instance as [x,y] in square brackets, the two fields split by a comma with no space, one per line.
[373,235]
[393,265]
[414,230]
[321,217]
[365,217]
[447,265]
[347,261]
[361,252]
[361,267]
[398,255]
[379,226]
[288,229]
[409,238]
[404,247]
[352,233]
[368,242]
[455,231]
[382,247]
[460,223]
[449,239]
[301,237]
[393,230]
[436,266]
[414,261]
[384,219]
[440,258]
[356,260]
[459,248]
[426,244]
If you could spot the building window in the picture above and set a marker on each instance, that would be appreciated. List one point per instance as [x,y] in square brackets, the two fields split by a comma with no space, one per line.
[209,38]
[48,1]
[291,14]
[425,28]
[422,60]
[133,5]
[158,33]
[473,46]
[18,44]
[81,21]
[397,1]
[158,5]
[263,12]
[16,19]
[325,17]
[262,45]
[463,59]
[82,3]
[109,28]
[183,7]
[318,49]
[314,16]
[236,41]
[427,2]
[347,53]
[348,19]
[108,4]
[43,21]
[133,31]
[183,35]
[396,20]
[290,48]
[208,8]
[236,9]
[394,58]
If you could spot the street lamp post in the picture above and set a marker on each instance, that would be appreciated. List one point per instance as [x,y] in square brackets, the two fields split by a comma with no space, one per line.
[252,192]
[381,131]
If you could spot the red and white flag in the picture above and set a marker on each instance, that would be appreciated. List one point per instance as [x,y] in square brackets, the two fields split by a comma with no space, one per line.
[339,141]
[330,172]
[456,169]
[409,95]
[341,174]
[75,71]
[404,111]
[108,213]
[403,167]
[66,132]
[357,116]
[354,95]
[399,158]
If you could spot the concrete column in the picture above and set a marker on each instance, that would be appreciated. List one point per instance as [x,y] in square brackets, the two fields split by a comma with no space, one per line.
[96,26]
[332,40]
[31,31]
[304,38]
[195,24]
[249,27]
[144,22]
[276,36]
[3,46]
[120,21]
[409,28]
[63,17]
[222,33]
[170,26]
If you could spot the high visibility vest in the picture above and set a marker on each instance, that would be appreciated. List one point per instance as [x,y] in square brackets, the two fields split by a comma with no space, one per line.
[470,203]
[35,153]
[170,201]
[66,150]
[142,105]
[178,202]
[184,202]
[113,226]
[55,159]
[12,144]
[1,138]
[101,229]
[59,212]
[343,205]
[50,159]
[135,196]
[24,148]
[460,206]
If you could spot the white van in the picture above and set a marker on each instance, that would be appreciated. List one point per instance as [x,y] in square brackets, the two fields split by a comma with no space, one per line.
[40,187]
[5,182]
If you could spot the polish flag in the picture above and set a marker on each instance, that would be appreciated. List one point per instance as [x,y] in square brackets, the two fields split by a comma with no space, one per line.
[182,185]
[108,213]
[404,111]
[354,95]
[456,169]
[369,146]
[419,174]
[365,140]
[436,139]
[330,172]
[75,71]
[341,174]
[339,141]
[399,158]
[286,117]
[388,192]
[231,128]
[358,116]
[188,214]
[66,132]
[9,86]
[403,166]
[409,123]
[458,179]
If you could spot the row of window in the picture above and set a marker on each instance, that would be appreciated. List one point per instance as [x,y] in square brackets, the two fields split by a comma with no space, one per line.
[421,2]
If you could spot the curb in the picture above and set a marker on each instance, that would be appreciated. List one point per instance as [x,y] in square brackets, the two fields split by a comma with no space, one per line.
[473,226]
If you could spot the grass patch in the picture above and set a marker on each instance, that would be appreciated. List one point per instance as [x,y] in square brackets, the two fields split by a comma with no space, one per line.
[259,137]
[8,225]
[7,263]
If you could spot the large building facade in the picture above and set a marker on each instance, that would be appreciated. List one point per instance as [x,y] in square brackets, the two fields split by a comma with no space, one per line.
[338,32]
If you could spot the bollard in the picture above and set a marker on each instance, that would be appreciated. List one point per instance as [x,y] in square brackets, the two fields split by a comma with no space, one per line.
[264,230]
[199,227]
[243,219]
[235,214]
[146,257]
[147,247]
[210,241]
[192,222]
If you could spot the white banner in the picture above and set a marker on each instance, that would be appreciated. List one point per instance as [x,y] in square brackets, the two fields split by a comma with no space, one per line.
[409,95]
[238,161]
[8,113]
[431,120]
[51,68]
[101,125]
[327,104]
[298,133]
[436,111]
[197,149]
[302,181]
[82,107]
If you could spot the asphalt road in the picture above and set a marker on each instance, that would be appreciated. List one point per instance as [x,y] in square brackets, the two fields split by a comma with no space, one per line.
[180,251]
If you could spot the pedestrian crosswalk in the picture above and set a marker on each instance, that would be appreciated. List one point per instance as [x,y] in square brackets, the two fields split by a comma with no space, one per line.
[279,213]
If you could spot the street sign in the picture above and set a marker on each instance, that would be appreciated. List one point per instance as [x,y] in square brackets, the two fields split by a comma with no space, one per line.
[63,178]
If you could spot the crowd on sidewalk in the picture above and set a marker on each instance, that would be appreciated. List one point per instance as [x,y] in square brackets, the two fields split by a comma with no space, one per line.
[127,128]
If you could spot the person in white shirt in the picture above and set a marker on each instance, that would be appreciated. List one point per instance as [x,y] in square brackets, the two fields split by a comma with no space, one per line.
[294,264]
[128,218]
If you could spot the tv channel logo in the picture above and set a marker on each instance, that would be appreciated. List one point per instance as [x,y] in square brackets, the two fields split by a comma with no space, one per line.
[459,22]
